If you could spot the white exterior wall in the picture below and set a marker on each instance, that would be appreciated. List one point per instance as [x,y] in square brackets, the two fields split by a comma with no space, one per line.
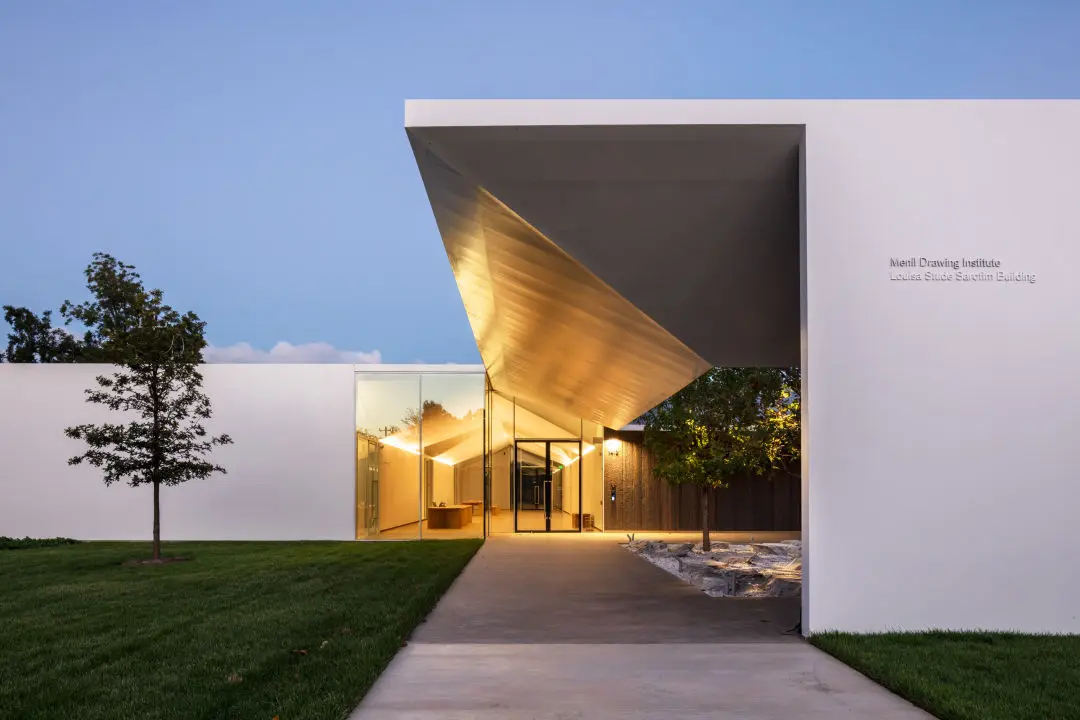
[291,471]
[939,485]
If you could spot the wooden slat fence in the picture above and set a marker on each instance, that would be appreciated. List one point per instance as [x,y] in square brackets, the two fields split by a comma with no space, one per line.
[645,502]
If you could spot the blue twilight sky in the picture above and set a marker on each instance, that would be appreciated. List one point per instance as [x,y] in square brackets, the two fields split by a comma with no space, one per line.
[248,156]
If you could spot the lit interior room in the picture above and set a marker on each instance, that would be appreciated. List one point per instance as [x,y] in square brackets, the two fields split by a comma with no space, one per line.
[545,444]
[420,455]
[422,443]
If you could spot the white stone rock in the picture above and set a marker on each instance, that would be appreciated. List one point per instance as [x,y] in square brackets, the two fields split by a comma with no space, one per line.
[730,569]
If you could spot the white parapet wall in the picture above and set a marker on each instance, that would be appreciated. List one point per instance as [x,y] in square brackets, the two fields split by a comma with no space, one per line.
[291,469]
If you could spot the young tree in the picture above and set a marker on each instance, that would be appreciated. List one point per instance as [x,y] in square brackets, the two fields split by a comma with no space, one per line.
[717,427]
[33,339]
[157,386]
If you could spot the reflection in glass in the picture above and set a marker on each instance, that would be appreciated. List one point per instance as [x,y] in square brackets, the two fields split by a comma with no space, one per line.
[441,454]
[451,429]
[419,455]
[388,458]
[500,463]
[367,485]
[533,487]
[534,421]
[530,491]
[548,485]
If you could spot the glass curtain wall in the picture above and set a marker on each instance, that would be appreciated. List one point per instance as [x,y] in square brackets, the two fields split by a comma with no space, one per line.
[419,455]
[388,463]
[545,469]
[442,455]
[500,463]
[452,427]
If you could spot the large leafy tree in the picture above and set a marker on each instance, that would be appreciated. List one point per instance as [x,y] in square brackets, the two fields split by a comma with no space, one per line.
[783,424]
[728,422]
[33,339]
[159,437]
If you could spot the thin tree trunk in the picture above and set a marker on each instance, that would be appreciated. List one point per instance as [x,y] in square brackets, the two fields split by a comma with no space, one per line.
[155,463]
[157,521]
[706,546]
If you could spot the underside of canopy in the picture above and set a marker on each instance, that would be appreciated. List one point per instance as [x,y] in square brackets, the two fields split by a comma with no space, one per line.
[604,267]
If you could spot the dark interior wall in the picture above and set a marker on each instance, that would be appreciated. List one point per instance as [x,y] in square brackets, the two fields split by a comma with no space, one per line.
[646,502]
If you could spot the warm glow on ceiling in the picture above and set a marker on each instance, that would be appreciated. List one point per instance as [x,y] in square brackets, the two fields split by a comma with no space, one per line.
[588,449]
[550,332]
[393,441]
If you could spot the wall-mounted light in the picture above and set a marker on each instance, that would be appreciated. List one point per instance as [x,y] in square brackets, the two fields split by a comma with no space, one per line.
[612,445]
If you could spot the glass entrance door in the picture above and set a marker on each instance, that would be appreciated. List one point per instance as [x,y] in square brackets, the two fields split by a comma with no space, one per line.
[547,486]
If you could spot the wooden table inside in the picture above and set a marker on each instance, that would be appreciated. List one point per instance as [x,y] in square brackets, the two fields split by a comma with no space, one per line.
[449,517]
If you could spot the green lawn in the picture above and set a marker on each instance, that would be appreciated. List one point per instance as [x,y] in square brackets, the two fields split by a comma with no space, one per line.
[970,676]
[244,630]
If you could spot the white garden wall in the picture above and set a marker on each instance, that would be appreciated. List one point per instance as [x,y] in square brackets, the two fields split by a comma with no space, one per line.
[291,471]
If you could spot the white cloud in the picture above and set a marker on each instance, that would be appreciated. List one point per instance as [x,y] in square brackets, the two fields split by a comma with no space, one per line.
[285,352]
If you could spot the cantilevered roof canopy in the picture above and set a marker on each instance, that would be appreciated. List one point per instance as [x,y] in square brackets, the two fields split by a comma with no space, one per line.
[603,267]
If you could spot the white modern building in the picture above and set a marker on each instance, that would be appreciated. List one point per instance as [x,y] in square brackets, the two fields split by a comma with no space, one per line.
[915,258]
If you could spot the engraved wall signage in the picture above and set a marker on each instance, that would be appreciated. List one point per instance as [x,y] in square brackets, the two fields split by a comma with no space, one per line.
[965,270]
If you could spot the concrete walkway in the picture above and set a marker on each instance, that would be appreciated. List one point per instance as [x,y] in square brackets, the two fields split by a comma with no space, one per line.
[578,627]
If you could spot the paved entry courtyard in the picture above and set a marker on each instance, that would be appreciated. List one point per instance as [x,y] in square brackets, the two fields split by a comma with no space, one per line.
[576,626]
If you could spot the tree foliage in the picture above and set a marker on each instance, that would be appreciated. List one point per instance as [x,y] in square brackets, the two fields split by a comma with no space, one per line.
[33,339]
[160,437]
[433,412]
[729,421]
[783,425]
